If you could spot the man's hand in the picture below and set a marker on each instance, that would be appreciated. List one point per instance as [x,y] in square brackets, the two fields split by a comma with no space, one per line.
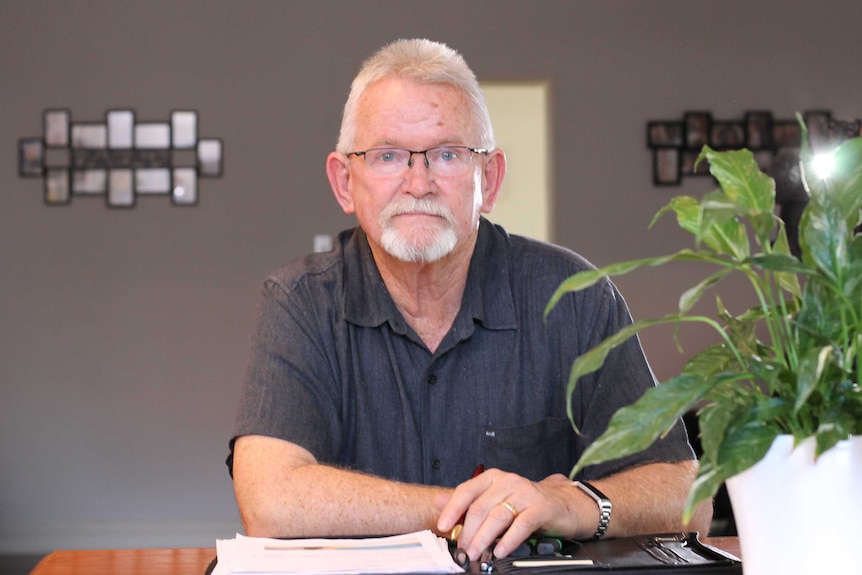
[646,499]
[503,505]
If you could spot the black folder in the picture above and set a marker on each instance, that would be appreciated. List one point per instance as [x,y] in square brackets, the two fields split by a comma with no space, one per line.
[657,554]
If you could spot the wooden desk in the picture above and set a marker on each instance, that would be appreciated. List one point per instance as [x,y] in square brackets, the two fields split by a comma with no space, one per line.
[127,562]
[183,561]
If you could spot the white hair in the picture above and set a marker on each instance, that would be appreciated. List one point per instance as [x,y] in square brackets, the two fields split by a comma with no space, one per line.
[421,61]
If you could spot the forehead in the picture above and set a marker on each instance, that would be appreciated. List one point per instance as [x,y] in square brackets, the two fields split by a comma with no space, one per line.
[405,112]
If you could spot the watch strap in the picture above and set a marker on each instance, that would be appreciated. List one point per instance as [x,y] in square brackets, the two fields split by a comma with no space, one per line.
[605,506]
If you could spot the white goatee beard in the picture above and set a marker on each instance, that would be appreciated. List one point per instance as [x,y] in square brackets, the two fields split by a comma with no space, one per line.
[425,244]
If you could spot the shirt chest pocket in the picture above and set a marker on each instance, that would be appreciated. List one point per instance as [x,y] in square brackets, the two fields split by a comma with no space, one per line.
[534,450]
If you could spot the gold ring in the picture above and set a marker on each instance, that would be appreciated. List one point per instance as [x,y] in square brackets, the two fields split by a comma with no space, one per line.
[511,508]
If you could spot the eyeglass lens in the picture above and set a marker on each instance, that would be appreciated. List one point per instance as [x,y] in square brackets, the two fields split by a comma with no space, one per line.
[443,161]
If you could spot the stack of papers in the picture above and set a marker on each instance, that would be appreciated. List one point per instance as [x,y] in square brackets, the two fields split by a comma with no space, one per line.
[417,552]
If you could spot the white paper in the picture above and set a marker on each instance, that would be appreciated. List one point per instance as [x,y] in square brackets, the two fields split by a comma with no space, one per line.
[421,551]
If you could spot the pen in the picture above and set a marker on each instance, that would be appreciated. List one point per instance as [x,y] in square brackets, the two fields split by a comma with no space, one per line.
[539,563]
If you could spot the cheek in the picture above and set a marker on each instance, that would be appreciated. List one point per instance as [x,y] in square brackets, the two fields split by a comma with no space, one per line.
[367,206]
[478,195]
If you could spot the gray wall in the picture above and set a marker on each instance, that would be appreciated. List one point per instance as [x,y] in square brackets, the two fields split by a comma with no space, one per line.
[123,333]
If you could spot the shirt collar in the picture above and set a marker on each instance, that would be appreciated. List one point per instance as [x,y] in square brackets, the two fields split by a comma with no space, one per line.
[487,296]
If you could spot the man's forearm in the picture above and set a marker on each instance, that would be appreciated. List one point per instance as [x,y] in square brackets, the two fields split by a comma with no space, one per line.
[325,501]
[281,499]
[651,499]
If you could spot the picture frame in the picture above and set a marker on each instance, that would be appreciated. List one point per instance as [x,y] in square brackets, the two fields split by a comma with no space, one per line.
[153,136]
[786,134]
[184,129]
[57,187]
[724,135]
[758,130]
[89,136]
[666,167]
[153,180]
[665,134]
[119,158]
[121,129]
[31,157]
[209,158]
[57,127]
[697,129]
[121,189]
[89,182]
[185,187]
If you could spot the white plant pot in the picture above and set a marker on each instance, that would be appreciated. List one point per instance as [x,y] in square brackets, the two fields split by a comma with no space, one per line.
[798,516]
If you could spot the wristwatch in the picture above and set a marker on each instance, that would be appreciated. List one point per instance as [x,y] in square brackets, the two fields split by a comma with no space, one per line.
[602,501]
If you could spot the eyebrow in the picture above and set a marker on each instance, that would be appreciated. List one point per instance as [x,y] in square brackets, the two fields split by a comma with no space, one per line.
[393,144]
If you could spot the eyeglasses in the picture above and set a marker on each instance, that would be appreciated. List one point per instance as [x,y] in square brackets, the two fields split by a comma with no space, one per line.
[444,161]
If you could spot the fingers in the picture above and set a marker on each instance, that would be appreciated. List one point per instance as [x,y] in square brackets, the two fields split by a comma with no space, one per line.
[469,496]
[502,526]
[494,505]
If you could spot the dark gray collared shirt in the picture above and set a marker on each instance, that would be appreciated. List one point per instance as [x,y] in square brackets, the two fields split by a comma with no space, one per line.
[335,368]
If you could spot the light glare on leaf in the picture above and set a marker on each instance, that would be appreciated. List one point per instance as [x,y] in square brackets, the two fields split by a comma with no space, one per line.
[823,165]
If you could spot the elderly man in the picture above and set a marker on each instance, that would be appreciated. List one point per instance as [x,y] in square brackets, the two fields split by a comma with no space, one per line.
[384,373]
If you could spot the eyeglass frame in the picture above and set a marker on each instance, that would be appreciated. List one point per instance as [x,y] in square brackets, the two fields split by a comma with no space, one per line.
[362,153]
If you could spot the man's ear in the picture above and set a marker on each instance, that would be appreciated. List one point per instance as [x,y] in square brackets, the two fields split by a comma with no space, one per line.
[339,180]
[493,172]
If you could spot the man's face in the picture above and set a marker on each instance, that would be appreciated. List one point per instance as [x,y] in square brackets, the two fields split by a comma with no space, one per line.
[415,215]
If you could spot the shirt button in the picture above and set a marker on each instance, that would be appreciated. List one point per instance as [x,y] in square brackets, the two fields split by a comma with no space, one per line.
[435,464]
[432,379]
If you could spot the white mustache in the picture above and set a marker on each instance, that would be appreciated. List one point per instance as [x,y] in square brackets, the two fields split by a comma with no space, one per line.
[416,206]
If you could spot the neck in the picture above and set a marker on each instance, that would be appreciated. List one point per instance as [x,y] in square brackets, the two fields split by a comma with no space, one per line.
[428,294]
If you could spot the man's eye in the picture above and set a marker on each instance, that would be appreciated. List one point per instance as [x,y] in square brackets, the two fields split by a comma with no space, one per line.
[449,155]
[387,156]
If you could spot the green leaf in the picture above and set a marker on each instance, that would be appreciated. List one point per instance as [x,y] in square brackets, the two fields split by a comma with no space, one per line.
[693,294]
[747,188]
[809,372]
[820,321]
[714,420]
[830,432]
[710,361]
[786,278]
[711,221]
[842,191]
[593,359]
[782,263]
[853,273]
[742,448]
[720,230]
[687,211]
[630,432]
[823,237]
[587,278]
